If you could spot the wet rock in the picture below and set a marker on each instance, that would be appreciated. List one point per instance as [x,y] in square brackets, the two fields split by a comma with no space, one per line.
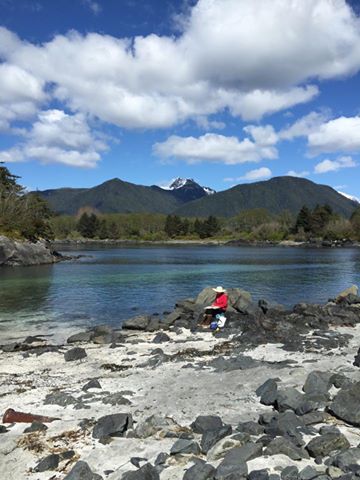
[211,437]
[51,462]
[286,447]
[139,322]
[258,475]
[346,405]
[268,391]
[115,399]
[185,447]
[204,423]
[161,337]
[317,382]
[325,444]
[76,353]
[81,471]
[60,398]
[200,471]
[288,399]
[36,427]
[93,383]
[80,337]
[112,425]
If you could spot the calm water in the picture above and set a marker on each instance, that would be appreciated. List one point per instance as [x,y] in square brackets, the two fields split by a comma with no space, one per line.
[112,284]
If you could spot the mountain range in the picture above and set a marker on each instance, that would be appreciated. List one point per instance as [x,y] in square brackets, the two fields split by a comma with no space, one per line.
[185,197]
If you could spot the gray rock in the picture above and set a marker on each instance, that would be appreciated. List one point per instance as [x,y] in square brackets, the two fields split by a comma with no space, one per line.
[288,399]
[325,444]
[112,425]
[139,322]
[251,428]
[308,473]
[51,462]
[161,458]
[232,467]
[344,459]
[315,417]
[60,398]
[93,383]
[204,423]
[161,337]
[334,472]
[346,404]
[36,427]
[156,424]
[211,437]
[147,472]
[115,399]
[76,353]
[317,382]
[258,475]
[21,253]
[290,473]
[286,447]
[339,380]
[81,471]
[79,337]
[182,446]
[268,392]
[200,471]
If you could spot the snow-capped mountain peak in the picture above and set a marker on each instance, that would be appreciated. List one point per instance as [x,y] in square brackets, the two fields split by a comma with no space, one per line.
[350,197]
[178,183]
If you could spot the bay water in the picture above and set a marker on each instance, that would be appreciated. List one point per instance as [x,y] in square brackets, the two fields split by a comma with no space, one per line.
[110,284]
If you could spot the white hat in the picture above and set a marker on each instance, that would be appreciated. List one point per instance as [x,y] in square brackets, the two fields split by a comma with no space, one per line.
[219,290]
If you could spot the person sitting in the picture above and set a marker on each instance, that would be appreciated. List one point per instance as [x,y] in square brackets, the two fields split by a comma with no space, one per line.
[218,306]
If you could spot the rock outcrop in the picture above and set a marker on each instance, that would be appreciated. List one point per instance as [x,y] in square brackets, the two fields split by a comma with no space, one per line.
[24,253]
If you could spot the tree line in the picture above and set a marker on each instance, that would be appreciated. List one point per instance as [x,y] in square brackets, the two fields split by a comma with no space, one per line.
[24,215]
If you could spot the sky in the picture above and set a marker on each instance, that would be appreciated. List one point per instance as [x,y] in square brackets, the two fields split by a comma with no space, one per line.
[221,91]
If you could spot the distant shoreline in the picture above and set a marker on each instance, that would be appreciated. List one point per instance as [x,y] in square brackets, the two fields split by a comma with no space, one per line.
[209,242]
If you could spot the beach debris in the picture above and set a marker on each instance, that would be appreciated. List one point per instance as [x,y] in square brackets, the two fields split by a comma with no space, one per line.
[12,416]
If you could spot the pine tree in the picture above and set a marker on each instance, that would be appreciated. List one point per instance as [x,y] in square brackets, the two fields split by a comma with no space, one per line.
[303,220]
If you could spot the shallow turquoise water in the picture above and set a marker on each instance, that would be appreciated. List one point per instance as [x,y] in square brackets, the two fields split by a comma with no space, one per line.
[112,284]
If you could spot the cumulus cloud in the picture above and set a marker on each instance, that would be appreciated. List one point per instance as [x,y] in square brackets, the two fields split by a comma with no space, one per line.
[238,55]
[338,135]
[95,7]
[257,174]
[293,173]
[304,126]
[214,148]
[57,137]
[334,165]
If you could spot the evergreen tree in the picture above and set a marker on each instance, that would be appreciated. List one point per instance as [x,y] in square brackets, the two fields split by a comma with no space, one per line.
[355,222]
[320,217]
[88,225]
[303,220]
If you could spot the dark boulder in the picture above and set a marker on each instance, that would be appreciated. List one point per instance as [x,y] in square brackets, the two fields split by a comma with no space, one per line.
[81,471]
[204,423]
[344,459]
[36,427]
[323,445]
[112,425]
[93,383]
[346,404]
[146,472]
[286,447]
[258,475]
[290,473]
[210,437]
[79,337]
[51,462]
[182,446]
[60,398]
[76,353]
[200,471]
[288,399]
[139,322]
[161,337]
[252,428]
[317,382]
[268,391]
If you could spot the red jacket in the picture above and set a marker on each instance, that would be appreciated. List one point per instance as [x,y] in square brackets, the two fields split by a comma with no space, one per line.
[221,301]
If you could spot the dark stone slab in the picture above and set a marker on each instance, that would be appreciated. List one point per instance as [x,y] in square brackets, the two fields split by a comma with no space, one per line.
[286,447]
[183,446]
[323,445]
[94,383]
[76,353]
[204,423]
[200,471]
[80,337]
[112,425]
[346,405]
[36,427]
[210,437]
[51,462]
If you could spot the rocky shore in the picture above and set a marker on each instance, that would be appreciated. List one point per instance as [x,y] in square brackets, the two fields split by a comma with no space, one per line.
[24,253]
[274,395]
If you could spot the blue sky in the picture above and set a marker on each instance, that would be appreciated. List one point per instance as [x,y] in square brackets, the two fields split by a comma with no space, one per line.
[222,91]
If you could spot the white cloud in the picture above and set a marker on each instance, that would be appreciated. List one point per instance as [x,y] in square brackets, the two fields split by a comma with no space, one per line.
[95,7]
[293,173]
[339,135]
[214,148]
[304,126]
[334,165]
[231,54]
[57,137]
[350,197]
[257,174]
